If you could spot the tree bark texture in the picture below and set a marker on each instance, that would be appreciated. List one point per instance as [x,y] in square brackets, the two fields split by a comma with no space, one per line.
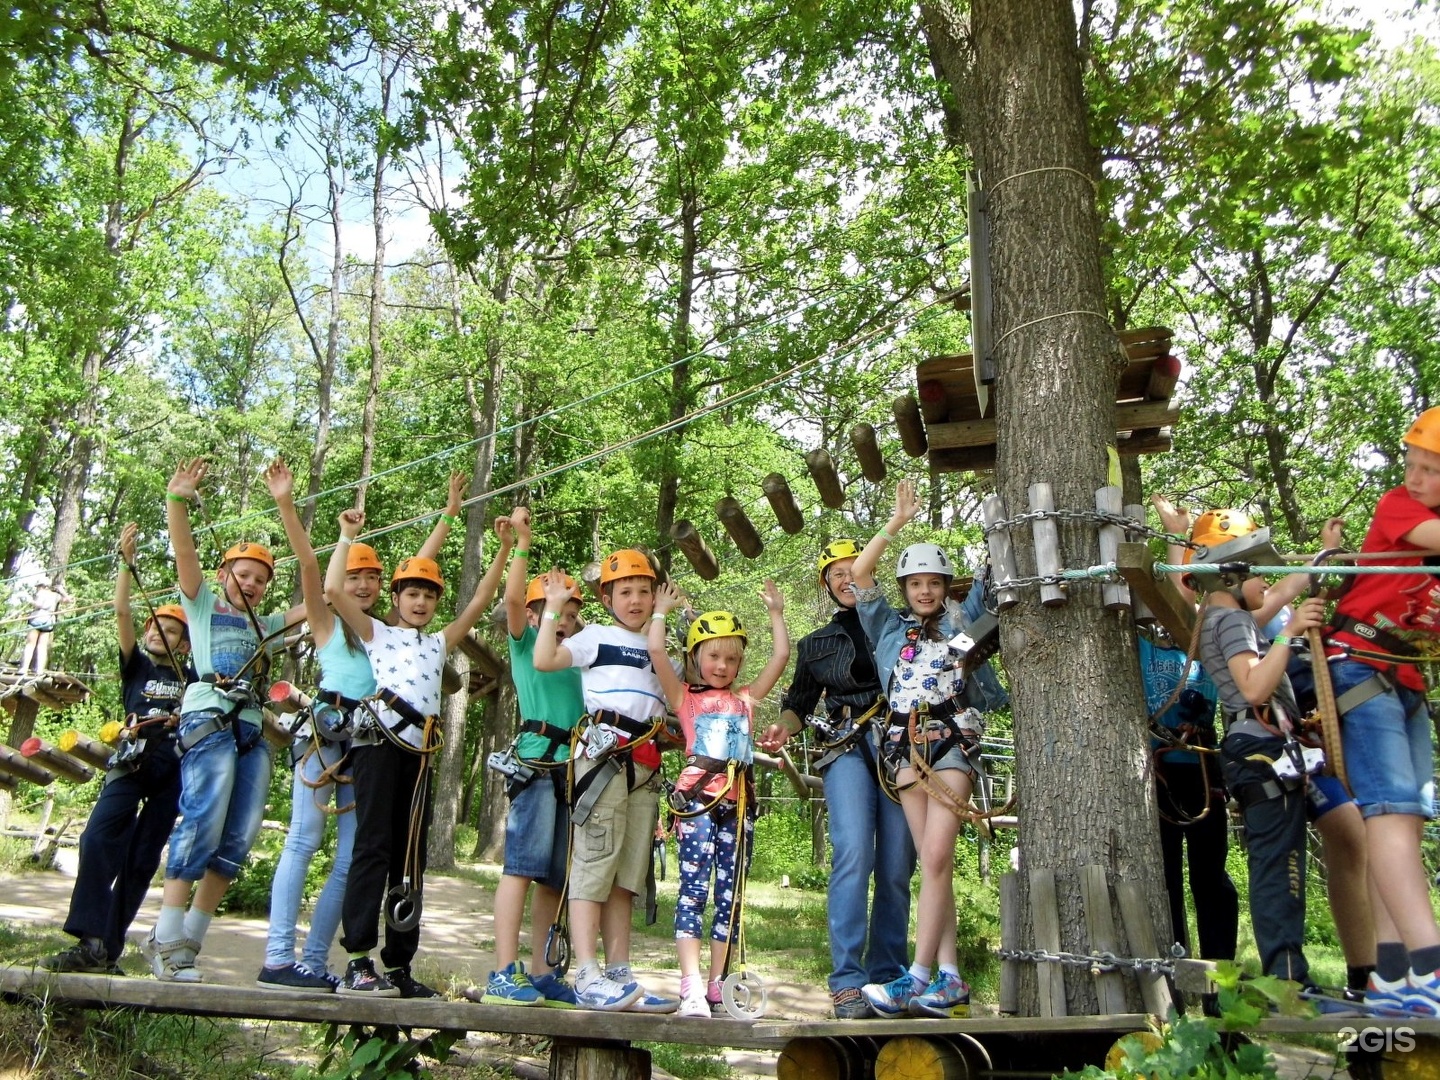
[1085,790]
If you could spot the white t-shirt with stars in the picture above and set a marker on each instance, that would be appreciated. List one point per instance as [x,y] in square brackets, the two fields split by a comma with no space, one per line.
[930,678]
[408,663]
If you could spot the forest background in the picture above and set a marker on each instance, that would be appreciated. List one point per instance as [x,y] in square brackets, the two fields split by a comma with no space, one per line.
[621,259]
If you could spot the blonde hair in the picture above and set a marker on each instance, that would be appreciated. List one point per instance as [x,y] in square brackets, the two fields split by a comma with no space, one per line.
[732,647]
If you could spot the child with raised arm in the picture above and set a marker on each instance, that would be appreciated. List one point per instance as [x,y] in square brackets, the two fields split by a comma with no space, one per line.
[616,794]
[719,761]
[322,746]
[121,845]
[386,757]
[225,770]
[537,828]
[931,749]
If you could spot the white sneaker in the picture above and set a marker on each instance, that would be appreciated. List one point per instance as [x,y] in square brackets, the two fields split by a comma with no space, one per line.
[695,1005]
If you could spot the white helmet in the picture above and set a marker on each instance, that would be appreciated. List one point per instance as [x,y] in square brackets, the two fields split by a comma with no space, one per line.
[923,559]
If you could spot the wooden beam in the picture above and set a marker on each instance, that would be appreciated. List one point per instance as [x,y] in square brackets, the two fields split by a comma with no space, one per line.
[1128,417]
[1159,594]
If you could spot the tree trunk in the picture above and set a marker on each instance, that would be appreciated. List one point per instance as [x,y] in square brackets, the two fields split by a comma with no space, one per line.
[377,288]
[679,378]
[490,816]
[1086,795]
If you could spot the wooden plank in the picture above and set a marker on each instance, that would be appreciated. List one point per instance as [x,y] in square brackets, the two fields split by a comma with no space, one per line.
[1174,612]
[1009,998]
[975,1025]
[1100,928]
[1045,919]
[1140,933]
[1128,417]
[1111,500]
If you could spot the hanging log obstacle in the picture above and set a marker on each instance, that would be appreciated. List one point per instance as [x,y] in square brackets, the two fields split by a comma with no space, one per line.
[692,545]
[782,501]
[827,480]
[91,751]
[732,516]
[57,761]
[16,765]
[910,424]
[959,435]
[867,452]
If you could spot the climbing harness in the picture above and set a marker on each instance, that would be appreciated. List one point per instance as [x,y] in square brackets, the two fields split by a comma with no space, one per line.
[840,736]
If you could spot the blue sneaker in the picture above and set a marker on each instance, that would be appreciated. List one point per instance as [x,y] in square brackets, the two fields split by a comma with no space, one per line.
[511,986]
[647,1002]
[1385,998]
[1421,995]
[604,994]
[947,997]
[558,993]
[1330,1005]
[893,998]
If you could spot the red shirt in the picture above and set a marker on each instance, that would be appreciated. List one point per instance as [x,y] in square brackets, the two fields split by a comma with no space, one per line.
[1407,605]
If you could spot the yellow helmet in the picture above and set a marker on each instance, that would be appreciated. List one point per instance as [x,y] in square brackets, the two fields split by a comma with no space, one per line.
[625,563]
[833,552]
[1425,431]
[711,625]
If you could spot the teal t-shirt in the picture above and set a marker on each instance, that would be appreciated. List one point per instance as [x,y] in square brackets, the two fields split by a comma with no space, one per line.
[222,639]
[552,696]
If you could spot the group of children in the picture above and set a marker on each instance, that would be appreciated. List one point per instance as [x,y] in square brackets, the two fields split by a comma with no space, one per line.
[584,779]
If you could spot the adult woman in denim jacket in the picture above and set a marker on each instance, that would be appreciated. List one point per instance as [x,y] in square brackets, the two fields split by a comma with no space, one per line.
[868,833]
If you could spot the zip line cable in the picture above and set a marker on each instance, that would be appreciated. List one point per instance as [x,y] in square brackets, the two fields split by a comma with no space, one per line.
[924,314]
[779,319]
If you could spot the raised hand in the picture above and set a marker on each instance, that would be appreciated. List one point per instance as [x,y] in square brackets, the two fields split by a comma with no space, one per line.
[186,481]
[771,595]
[351,522]
[667,598]
[458,482]
[280,480]
[127,543]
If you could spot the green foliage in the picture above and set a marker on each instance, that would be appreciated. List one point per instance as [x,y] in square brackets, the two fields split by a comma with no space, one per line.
[782,846]
[382,1053]
[689,1062]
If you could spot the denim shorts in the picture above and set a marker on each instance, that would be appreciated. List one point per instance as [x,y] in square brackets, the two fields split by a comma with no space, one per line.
[222,801]
[537,831]
[1387,742]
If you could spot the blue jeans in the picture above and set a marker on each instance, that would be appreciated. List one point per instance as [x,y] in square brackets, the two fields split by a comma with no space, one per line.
[537,831]
[1388,752]
[121,845]
[222,801]
[868,835]
[307,833]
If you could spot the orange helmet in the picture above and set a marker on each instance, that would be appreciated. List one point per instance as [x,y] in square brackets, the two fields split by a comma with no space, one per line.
[363,557]
[1425,431]
[418,568]
[171,611]
[1215,527]
[259,552]
[625,563]
[536,590]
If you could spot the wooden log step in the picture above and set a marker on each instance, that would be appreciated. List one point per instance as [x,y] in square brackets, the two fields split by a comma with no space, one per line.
[827,480]
[782,501]
[57,761]
[834,1058]
[693,546]
[910,425]
[967,433]
[13,763]
[732,515]
[867,452]
[915,1057]
[91,751]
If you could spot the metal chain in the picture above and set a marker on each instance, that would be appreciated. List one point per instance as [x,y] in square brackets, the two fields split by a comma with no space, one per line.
[1092,517]
[1097,963]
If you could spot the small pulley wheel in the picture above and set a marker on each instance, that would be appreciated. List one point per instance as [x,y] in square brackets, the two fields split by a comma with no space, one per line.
[744,995]
[402,908]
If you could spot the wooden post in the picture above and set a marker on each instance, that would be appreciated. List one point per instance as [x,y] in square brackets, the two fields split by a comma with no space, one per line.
[1009,939]
[1137,567]
[22,724]
[933,405]
[1045,916]
[782,501]
[737,524]
[1140,933]
[1002,554]
[867,451]
[1047,544]
[1140,611]
[1100,927]
[91,751]
[688,539]
[15,764]
[57,761]
[910,425]
[1111,500]
[827,481]
[595,1060]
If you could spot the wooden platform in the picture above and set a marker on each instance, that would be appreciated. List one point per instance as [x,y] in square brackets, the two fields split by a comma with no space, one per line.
[960,437]
[53,690]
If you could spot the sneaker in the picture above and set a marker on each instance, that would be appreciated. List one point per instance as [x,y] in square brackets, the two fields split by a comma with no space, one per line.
[331,979]
[715,997]
[361,980]
[409,987]
[172,961]
[555,991]
[647,1002]
[694,1006]
[1421,996]
[947,996]
[1384,997]
[294,977]
[86,956]
[607,995]
[1330,1004]
[511,986]
[894,997]
[850,1004]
